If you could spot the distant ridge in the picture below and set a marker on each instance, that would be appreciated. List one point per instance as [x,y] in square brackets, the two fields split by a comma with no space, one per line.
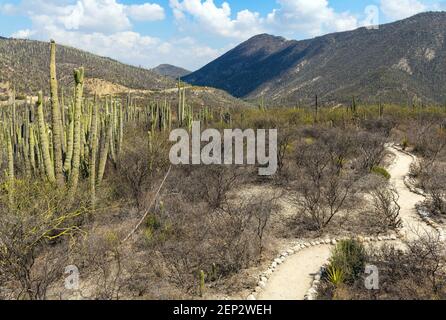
[25,64]
[171,71]
[401,62]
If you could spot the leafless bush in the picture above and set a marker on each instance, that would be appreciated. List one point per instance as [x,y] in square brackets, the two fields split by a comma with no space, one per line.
[220,242]
[103,257]
[33,232]
[324,186]
[385,205]
[370,150]
[212,184]
[284,142]
[434,182]
[138,170]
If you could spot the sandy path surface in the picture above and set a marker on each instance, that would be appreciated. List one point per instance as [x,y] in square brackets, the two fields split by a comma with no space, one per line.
[293,278]
[413,225]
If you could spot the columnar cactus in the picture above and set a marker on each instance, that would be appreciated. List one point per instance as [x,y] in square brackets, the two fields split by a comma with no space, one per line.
[74,174]
[10,169]
[70,142]
[202,283]
[104,148]
[93,147]
[56,118]
[44,144]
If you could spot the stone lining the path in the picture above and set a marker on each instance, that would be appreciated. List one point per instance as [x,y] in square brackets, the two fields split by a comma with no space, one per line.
[263,278]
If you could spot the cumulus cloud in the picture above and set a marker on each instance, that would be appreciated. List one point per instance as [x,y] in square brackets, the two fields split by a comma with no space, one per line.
[8,9]
[105,16]
[146,12]
[104,27]
[292,17]
[310,18]
[217,19]
[400,9]
[23,34]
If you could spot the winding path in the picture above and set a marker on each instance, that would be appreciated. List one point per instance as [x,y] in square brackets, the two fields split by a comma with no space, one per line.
[294,277]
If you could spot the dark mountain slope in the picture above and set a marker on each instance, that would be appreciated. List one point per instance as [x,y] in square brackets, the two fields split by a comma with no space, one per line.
[171,71]
[400,62]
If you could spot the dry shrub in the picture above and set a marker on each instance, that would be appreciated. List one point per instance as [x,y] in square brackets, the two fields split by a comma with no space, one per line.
[221,242]
[138,171]
[37,221]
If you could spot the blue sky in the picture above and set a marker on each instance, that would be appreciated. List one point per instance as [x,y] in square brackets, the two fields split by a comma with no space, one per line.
[189,33]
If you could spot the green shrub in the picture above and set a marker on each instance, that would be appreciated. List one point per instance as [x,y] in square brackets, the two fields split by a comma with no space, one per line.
[157,230]
[405,143]
[348,260]
[381,172]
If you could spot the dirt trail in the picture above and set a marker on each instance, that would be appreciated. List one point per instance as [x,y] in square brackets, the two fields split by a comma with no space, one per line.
[293,278]
[413,225]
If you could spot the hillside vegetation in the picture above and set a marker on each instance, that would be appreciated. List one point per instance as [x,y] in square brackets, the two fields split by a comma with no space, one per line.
[24,64]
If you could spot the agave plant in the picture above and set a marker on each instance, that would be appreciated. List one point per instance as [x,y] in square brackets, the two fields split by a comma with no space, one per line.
[335,275]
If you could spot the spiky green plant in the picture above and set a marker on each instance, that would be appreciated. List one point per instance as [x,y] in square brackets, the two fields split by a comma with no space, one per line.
[350,257]
[335,275]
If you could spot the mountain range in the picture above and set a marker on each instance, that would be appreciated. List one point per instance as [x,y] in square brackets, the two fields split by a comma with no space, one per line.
[401,62]
[171,71]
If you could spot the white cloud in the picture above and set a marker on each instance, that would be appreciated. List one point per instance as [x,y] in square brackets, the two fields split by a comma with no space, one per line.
[23,34]
[293,17]
[105,16]
[104,27]
[400,9]
[146,12]
[8,9]
[217,20]
[309,18]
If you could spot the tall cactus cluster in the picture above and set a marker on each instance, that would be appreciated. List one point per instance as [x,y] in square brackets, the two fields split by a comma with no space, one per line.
[70,138]
[62,139]
[185,112]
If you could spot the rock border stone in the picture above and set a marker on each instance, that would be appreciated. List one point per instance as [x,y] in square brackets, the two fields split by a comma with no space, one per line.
[299,246]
